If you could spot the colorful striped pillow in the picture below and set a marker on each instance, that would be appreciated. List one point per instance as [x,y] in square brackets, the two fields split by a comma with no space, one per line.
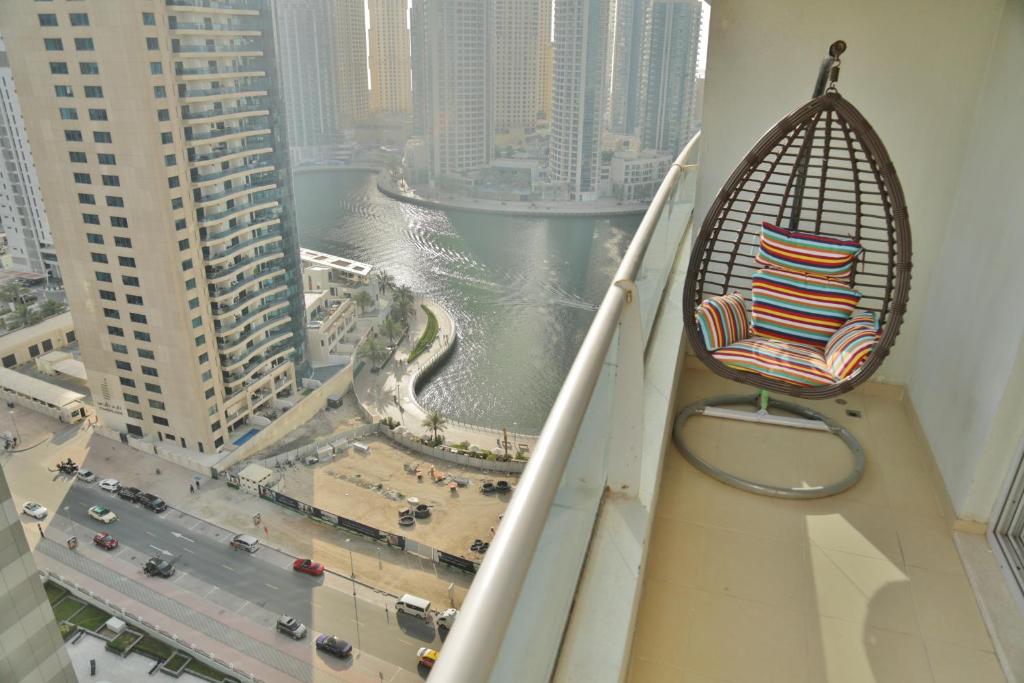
[804,252]
[723,320]
[793,363]
[851,345]
[799,308]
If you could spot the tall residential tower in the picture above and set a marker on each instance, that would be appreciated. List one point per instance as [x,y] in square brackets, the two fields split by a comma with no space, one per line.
[349,50]
[578,95]
[390,69]
[626,37]
[161,151]
[516,26]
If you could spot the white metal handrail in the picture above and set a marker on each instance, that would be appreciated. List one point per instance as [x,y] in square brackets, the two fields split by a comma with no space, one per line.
[472,647]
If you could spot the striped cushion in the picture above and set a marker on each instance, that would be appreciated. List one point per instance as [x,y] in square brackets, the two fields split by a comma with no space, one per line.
[804,252]
[723,320]
[793,363]
[851,345]
[799,308]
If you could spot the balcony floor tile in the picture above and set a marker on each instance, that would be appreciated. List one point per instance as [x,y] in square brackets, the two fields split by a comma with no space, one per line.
[864,586]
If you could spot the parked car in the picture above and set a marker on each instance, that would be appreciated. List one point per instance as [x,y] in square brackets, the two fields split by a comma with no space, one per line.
[130,493]
[446,618]
[291,626]
[86,475]
[427,656]
[308,567]
[33,509]
[157,566]
[333,645]
[105,541]
[245,542]
[102,514]
[111,485]
[151,502]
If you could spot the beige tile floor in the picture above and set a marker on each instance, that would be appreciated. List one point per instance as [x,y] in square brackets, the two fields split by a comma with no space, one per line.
[860,587]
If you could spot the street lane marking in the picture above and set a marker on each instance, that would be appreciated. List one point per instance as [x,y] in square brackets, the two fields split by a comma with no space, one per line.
[188,551]
[227,567]
[244,605]
[269,586]
[193,527]
[161,550]
[151,534]
[209,592]
[184,538]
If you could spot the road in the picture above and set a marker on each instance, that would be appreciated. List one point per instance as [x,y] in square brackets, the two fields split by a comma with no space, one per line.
[240,582]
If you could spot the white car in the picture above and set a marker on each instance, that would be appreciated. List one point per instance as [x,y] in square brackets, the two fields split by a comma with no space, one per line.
[34,510]
[102,514]
[86,475]
[111,485]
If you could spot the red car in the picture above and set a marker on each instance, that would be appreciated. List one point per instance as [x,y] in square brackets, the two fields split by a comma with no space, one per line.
[308,567]
[105,541]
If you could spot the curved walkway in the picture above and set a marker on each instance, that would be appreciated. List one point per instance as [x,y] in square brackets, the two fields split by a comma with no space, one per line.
[377,392]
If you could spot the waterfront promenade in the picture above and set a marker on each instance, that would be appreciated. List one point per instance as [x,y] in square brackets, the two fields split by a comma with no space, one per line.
[391,392]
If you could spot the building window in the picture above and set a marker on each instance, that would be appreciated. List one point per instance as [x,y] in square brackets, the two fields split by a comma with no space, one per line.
[182,245]
[73,135]
[33,350]
[173,181]
[134,430]
[197,322]
[204,358]
[110,312]
[193,303]
[10,361]
[102,136]
[98,258]
[115,331]
[103,277]
[160,420]
[98,115]
[123,365]
[130,280]
[207,376]
[159,91]
[177,203]
[68,114]
[114,201]
[123,242]
[159,405]
[84,44]
[134,414]
[119,221]
[163,115]
[190,283]
[148,19]
[107,159]
[156,68]
[200,340]
[146,353]
[47,19]
[77,157]
[210,392]
[126,261]
[79,19]
[125,381]
[70,336]
[131,398]
[89,68]
[179,224]
[91,218]
[93,238]
[111,181]
[119,348]
[138,318]
[186,264]
[142,336]
[63,91]
[107,295]
[153,388]
[53,44]
[134,299]
[170,160]
[93,91]
[83,178]
[146,370]
[152,44]
[47,345]
[218,442]
[86,198]
[166,138]
[58,68]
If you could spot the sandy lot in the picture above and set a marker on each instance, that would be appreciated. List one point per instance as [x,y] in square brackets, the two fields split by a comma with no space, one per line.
[372,488]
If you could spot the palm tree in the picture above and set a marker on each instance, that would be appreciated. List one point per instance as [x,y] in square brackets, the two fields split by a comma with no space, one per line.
[403,293]
[363,300]
[51,307]
[435,422]
[390,328]
[373,351]
[22,316]
[385,280]
[401,308]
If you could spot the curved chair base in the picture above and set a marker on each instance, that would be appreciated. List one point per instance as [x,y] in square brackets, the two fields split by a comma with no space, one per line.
[827,424]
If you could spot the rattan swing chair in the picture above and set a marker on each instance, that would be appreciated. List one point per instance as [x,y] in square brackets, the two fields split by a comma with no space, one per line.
[821,171]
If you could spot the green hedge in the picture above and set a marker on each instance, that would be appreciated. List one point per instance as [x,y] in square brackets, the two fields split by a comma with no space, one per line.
[428,336]
[122,642]
[158,649]
[91,618]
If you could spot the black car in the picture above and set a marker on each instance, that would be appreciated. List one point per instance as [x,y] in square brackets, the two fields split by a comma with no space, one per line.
[333,645]
[151,502]
[157,566]
[131,493]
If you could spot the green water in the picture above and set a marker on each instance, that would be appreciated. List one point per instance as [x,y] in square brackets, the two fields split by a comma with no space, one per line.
[522,290]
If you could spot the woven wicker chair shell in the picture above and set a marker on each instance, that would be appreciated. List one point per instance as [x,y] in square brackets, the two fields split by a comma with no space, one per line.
[848,188]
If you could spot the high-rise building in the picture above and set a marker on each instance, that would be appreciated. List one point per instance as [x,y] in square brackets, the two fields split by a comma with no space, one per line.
[353,93]
[516,26]
[22,214]
[390,69]
[304,30]
[668,86]
[625,46]
[578,99]
[545,54]
[160,146]
[31,648]
[452,97]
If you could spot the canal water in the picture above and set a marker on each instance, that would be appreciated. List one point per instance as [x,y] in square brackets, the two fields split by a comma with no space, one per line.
[522,290]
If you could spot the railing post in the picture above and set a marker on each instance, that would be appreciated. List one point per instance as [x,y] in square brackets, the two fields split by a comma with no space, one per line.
[625,443]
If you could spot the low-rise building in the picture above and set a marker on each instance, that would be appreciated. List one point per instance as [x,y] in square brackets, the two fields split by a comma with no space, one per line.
[635,176]
[328,319]
[333,273]
[254,476]
[21,346]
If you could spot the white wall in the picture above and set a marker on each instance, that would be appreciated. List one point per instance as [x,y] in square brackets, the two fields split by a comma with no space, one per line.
[913,67]
[967,379]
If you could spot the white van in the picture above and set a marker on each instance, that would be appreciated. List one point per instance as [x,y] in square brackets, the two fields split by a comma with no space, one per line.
[245,542]
[447,618]
[417,607]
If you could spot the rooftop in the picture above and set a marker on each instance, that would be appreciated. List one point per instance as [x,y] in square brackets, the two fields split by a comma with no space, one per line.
[319,258]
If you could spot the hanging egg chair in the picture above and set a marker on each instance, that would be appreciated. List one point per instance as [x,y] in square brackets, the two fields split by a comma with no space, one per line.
[812,226]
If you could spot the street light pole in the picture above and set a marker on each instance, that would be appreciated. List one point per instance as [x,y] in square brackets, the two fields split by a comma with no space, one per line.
[355,603]
[17,434]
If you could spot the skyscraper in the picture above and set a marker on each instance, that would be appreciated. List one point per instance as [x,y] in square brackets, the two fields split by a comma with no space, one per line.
[353,93]
[452,97]
[390,70]
[304,30]
[31,648]
[626,39]
[516,26]
[578,99]
[158,137]
[545,54]
[668,92]
[22,214]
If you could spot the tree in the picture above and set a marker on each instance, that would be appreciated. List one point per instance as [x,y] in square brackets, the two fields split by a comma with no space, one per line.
[403,293]
[373,351]
[51,307]
[363,300]
[385,280]
[23,316]
[435,422]
[401,310]
[390,328]
[12,292]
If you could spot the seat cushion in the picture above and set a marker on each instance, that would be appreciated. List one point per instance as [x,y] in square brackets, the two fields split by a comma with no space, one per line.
[794,363]
[806,252]
[851,345]
[799,308]
[723,320]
